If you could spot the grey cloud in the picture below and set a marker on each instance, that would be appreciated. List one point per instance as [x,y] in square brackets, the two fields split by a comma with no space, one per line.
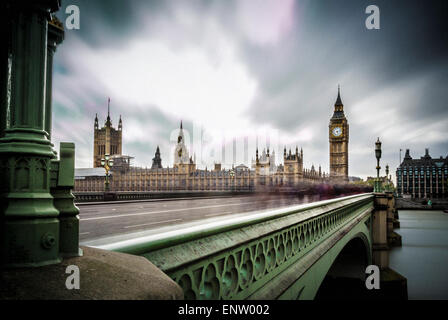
[297,76]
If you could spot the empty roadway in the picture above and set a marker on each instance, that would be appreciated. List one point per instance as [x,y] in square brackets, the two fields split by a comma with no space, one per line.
[104,220]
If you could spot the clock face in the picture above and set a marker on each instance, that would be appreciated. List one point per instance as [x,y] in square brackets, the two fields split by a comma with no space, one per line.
[337,131]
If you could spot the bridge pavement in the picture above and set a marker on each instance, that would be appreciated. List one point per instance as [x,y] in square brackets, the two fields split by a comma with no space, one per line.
[105,220]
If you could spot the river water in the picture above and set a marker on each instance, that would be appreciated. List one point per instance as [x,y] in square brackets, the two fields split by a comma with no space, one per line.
[423,258]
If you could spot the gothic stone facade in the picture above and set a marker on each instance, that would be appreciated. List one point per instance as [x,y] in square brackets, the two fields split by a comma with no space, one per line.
[185,176]
[338,137]
[107,140]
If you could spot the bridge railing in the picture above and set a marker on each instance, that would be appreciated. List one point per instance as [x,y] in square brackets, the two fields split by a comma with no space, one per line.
[88,196]
[142,195]
[233,258]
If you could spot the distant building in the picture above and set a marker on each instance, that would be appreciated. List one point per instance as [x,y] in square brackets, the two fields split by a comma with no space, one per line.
[185,176]
[157,161]
[293,170]
[106,140]
[241,168]
[266,160]
[338,138]
[181,155]
[89,179]
[423,178]
[122,163]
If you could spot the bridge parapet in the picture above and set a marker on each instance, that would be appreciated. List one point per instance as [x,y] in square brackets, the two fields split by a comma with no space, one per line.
[81,197]
[235,258]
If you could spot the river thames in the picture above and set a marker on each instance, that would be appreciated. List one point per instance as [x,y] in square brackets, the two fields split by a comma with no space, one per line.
[423,257]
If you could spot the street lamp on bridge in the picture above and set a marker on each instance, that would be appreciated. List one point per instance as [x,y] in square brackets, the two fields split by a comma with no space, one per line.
[388,180]
[377,187]
[232,177]
[106,163]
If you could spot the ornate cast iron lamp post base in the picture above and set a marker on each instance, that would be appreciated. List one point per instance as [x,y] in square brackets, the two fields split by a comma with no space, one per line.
[29,219]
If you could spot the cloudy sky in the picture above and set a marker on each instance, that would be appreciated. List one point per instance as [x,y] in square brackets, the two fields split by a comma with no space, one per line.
[255,68]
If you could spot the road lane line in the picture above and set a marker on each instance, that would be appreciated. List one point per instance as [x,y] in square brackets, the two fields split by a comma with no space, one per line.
[152,223]
[164,211]
[88,215]
[217,214]
[83,233]
[90,212]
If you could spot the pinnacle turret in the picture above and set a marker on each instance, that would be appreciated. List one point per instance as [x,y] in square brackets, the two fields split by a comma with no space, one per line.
[108,121]
[339,100]
[96,121]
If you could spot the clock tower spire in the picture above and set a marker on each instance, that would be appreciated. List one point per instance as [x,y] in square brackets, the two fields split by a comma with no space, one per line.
[338,138]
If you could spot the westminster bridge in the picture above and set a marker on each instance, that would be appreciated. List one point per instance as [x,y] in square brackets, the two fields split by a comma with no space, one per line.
[284,253]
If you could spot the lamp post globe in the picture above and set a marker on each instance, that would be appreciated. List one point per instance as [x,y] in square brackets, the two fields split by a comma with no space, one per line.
[378,149]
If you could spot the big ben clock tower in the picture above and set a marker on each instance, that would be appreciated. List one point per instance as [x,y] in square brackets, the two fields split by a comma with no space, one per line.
[338,136]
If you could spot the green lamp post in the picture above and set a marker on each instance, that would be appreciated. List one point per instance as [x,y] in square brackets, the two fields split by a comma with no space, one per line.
[377,187]
[387,178]
[107,162]
[232,177]
[28,217]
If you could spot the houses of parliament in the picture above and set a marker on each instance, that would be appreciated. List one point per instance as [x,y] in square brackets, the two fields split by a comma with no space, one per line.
[183,175]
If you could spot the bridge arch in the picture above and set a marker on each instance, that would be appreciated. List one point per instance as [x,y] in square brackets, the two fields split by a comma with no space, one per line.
[346,275]
[353,249]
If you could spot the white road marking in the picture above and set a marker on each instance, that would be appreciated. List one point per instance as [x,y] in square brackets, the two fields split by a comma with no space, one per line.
[217,214]
[164,211]
[95,211]
[152,223]
[84,233]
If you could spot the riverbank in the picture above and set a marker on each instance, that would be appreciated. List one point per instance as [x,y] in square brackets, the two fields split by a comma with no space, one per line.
[419,204]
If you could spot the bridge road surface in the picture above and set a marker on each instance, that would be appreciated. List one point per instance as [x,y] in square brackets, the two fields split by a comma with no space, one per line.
[107,220]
